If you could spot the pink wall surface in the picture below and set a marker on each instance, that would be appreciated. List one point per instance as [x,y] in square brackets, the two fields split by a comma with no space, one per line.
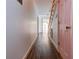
[65,28]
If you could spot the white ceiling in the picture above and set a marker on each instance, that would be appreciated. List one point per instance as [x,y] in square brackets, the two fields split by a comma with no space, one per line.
[42,7]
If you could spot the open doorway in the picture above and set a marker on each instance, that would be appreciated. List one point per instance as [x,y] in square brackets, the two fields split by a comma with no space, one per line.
[42,27]
[42,23]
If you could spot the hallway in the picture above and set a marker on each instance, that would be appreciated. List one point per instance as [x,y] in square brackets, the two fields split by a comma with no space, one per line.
[43,49]
[39,29]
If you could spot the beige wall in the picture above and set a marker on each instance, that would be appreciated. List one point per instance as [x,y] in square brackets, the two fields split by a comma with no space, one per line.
[21,31]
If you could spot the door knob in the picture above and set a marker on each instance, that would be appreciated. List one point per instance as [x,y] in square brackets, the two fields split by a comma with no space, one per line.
[68,27]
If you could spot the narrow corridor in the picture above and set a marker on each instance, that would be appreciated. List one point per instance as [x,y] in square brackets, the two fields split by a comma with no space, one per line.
[43,49]
[39,29]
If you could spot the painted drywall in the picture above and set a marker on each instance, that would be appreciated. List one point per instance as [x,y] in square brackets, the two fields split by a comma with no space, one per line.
[55,28]
[65,34]
[20,30]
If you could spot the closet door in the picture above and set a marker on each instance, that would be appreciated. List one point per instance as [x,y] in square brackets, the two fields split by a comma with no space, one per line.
[65,28]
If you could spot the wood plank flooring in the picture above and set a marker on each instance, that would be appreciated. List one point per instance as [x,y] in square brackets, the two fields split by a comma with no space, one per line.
[43,49]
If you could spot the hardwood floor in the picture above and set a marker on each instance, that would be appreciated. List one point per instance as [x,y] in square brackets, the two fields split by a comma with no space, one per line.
[43,49]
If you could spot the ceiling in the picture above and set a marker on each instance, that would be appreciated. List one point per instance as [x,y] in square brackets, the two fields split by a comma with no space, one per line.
[42,7]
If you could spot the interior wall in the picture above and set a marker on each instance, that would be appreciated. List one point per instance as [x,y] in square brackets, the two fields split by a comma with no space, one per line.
[65,29]
[55,28]
[20,30]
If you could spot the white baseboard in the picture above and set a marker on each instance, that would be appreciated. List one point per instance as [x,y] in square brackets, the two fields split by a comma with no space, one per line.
[30,47]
